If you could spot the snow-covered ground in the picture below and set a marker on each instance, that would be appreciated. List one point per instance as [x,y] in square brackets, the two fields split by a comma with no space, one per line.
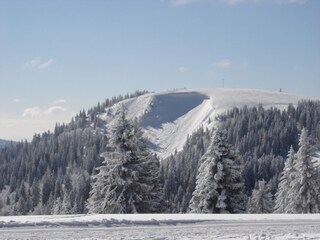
[162,226]
[169,117]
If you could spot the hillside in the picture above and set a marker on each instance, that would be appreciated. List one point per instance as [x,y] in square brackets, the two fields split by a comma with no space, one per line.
[169,117]
[4,143]
[52,174]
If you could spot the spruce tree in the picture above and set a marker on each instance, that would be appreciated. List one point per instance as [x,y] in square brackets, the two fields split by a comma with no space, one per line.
[128,181]
[261,199]
[303,194]
[286,178]
[219,188]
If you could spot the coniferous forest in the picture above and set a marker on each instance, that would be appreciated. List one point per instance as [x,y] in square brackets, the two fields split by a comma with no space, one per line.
[255,160]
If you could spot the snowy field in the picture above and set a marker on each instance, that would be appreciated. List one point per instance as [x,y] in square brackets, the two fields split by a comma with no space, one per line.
[161,227]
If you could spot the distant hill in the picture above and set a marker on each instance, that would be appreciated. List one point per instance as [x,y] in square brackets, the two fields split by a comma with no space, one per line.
[169,117]
[4,143]
[52,173]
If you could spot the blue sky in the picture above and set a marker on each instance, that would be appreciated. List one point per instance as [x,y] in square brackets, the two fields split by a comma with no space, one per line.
[57,57]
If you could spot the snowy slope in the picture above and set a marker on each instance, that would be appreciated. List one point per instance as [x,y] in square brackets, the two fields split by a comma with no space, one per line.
[169,117]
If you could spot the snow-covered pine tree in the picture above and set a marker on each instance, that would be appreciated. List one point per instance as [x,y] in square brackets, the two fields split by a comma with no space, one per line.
[128,181]
[219,187]
[261,199]
[287,176]
[303,193]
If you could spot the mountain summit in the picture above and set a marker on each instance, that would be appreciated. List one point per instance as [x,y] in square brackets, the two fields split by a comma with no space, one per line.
[167,118]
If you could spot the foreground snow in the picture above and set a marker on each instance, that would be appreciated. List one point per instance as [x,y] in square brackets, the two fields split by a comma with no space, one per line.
[161,226]
[169,117]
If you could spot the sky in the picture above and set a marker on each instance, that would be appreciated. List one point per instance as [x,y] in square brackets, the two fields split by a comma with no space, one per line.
[58,57]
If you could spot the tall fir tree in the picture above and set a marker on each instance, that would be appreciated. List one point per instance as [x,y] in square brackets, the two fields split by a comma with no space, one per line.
[128,181]
[261,199]
[219,188]
[286,178]
[303,193]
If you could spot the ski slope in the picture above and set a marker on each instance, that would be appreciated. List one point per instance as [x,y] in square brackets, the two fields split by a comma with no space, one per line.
[162,227]
[167,118]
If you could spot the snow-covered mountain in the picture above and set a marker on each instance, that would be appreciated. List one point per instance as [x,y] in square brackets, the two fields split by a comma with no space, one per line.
[60,164]
[169,117]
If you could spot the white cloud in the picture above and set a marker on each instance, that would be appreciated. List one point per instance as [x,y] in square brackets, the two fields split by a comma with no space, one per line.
[46,64]
[55,110]
[182,69]
[37,112]
[38,63]
[33,63]
[16,100]
[59,101]
[223,63]
[32,112]
[17,128]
